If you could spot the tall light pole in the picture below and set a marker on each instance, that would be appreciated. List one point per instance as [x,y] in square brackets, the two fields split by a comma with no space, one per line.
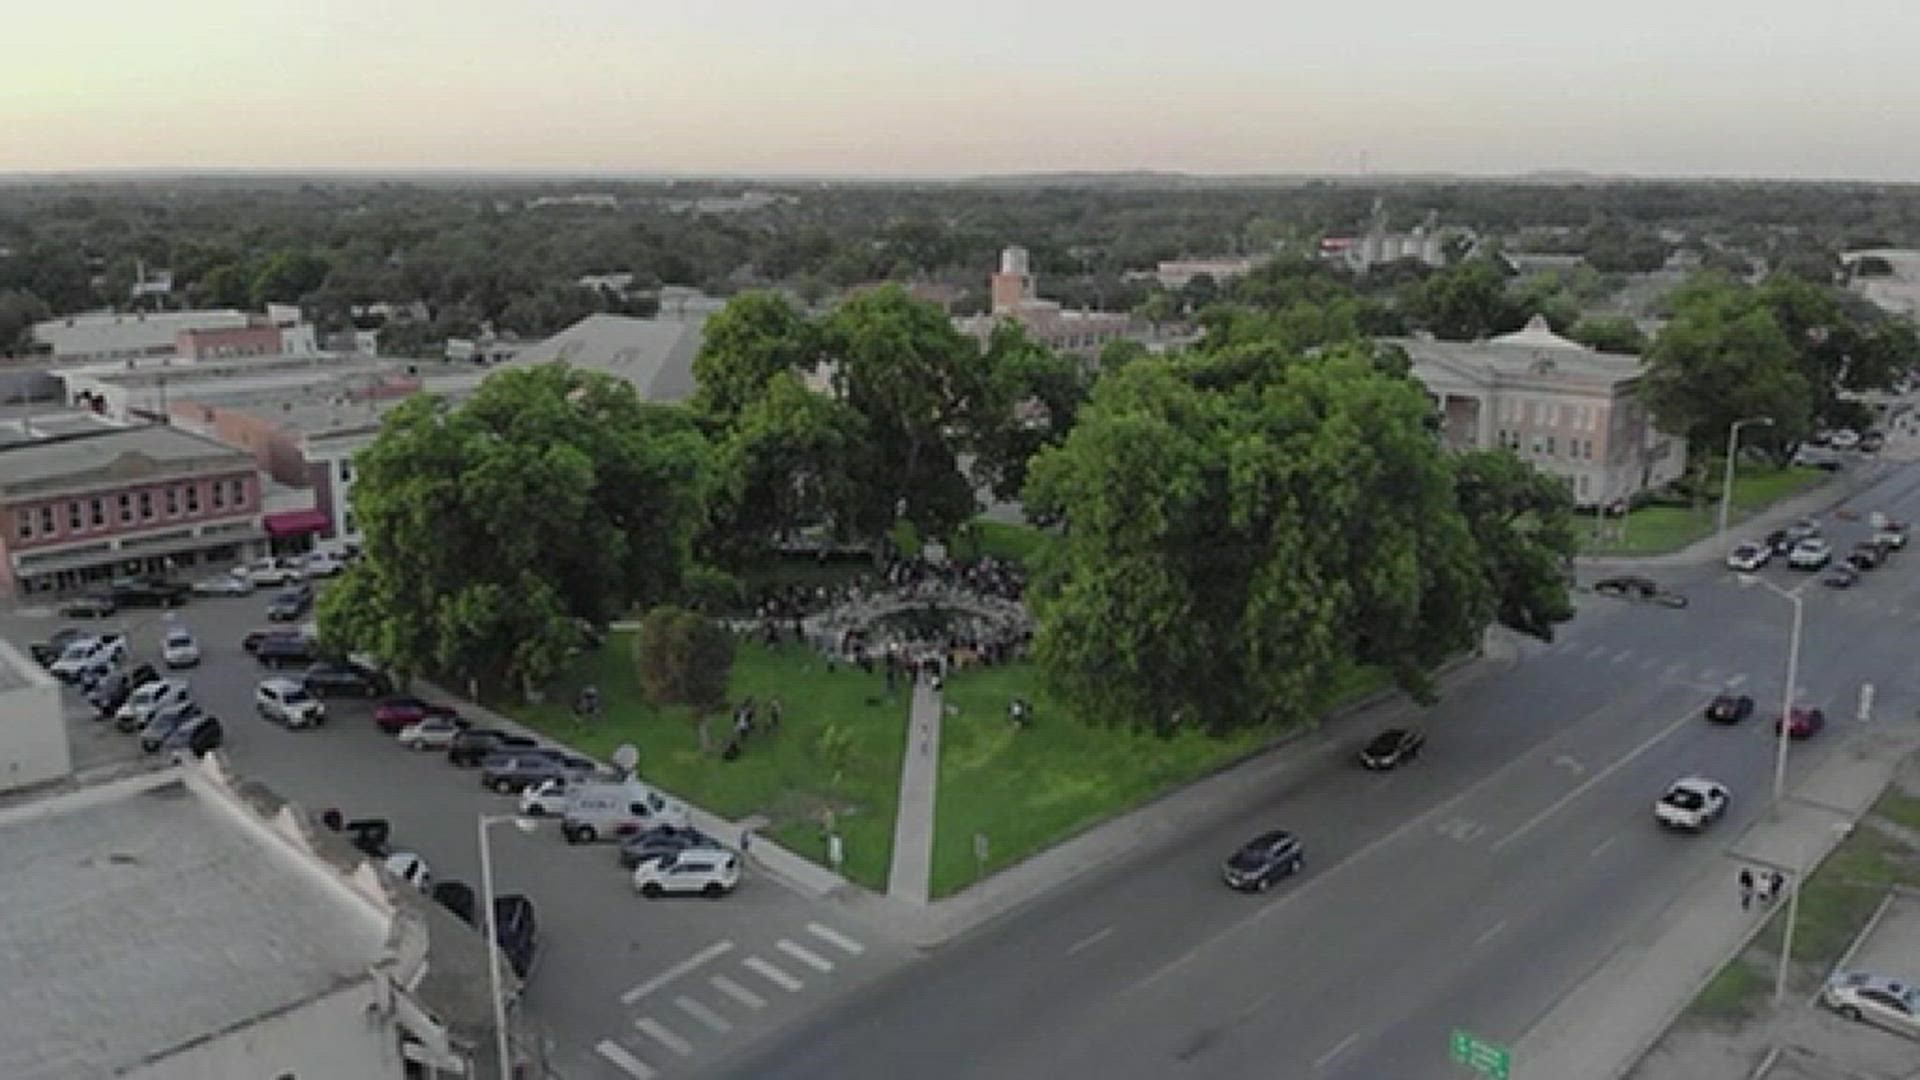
[1793,677]
[525,825]
[1726,485]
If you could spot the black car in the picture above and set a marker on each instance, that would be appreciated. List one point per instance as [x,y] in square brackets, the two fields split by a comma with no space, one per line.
[517,931]
[1780,541]
[1391,748]
[1730,708]
[457,897]
[661,840]
[284,650]
[150,592]
[1842,576]
[1866,556]
[474,745]
[1628,585]
[198,736]
[1871,442]
[90,606]
[112,690]
[46,652]
[289,604]
[344,677]
[1264,860]
[164,723]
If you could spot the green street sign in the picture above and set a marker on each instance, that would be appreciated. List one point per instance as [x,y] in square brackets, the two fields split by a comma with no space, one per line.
[1487,1059]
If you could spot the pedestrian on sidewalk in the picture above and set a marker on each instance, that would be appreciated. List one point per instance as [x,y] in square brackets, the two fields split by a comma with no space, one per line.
[1776,882]
[1746,888]
[1764,893]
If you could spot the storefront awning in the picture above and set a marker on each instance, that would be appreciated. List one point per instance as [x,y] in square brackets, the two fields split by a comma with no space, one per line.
[295,523]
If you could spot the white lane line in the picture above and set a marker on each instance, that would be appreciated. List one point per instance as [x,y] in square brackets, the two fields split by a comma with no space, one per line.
[1321,1061]
[1600,847]
[1623,656]
[1596,652]
[834,937]
[1587,785]
[664,1036]
[806,956]
[1649,663]
[1708,674]
[623,1060]
[737,992]
[700,1012]
[1737,680]
[773,974]
[1090,940]
[1673,670]
[1490,933]
[718,948]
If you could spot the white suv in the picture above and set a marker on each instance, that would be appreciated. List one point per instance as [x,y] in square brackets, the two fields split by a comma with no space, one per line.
[707,871]
[1692,803]
[289,703]
[1810,554]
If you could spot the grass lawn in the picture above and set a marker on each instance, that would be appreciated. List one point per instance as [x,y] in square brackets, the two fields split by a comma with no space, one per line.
[1015,543]
[1653,530]
[1028,789]
[792,777]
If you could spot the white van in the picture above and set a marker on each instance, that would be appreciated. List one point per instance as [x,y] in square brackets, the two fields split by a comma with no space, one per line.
[609,811]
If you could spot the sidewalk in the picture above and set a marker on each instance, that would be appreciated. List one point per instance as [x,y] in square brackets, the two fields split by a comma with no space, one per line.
[910,876]
[1602,1028]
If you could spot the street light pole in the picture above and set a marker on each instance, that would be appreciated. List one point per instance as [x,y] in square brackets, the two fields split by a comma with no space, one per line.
[503,1046]
[1786,709]
[1726,485]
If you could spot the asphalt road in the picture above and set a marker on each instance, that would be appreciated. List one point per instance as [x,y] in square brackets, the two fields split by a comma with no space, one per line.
[1469,891]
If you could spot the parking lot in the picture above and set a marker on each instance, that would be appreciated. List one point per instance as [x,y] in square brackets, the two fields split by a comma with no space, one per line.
[624,986]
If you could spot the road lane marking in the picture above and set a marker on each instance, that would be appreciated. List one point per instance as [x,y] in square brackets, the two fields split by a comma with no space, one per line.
[1587,785]
[806,956]
[1737,680]
[1649,663]
[1623,656]
[664,1036]
[1673,670]
[1490,933]
[737,992]
[1569,763]
[1600,847]
[1708,674]
[834,937]
[774,975]
[1090,940]
[623,1060]
[703,1014]
[1596,652]
[1321,1061]
[718,948]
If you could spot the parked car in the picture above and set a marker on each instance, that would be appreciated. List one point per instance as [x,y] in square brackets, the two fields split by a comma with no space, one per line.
[708,871]
[143,703]
[1392,748]
[409,867]
[1264,860]
[199,735]
[228,584]
[289,703]
[85,652]
[178,649]
[615,809]
[473,745]
[290,604]
[397,713]
[46,652]
[1817,457]
[1890,539]
[661,840]
[1628,585]
[457,897]
[164,722]
[1872,442]
[1748,557]
[148,592]
[90,606]
[1810,554]
[512,772]
[433,733]
[1876,999]
[1802,723]
[1843,576]
[111,692]
[1730,708]
[1692,803]
[517,932]
[1866,556]
[97,670]
[549,798]
[345,677]
[272,570]
[1780,542]
[286,650]
[1844,439]
[323,563]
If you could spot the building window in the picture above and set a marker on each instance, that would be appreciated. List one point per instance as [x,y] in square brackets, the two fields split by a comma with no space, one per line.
[126,508]
[173,502]
[1550,450]
[26,524]
[99,512]
[193,498]
[346,471]
[1583,485]
[75,519]
[239,494]
[219,495]
[46,520]
[146,506]
[347,524]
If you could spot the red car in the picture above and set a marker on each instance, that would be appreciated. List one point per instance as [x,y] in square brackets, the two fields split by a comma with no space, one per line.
[394,714]
[1802,723]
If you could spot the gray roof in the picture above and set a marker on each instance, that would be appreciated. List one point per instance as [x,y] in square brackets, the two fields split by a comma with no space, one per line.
[141,920]
[109,333]
[655,355]
[1531,354]
[118,455]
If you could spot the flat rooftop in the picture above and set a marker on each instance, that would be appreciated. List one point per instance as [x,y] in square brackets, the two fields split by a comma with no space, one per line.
[160,449]
[143,918]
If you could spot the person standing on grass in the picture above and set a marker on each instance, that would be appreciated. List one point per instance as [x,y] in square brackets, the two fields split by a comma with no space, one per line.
[1746,888]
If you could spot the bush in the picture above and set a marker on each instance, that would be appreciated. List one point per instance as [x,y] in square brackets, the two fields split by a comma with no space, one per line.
[709,588]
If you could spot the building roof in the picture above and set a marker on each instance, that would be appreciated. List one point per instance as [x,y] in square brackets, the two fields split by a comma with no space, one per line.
[655,355]
[124,454]
[1533,353]
[145,914]
[116,333]
[35,422]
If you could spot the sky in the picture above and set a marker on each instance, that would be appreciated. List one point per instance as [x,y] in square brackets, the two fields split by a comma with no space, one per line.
[908,88]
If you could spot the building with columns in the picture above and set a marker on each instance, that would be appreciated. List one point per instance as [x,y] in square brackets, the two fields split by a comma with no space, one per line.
[1570,410]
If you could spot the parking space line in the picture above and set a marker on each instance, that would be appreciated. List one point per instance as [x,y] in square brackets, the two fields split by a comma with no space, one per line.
[718,948]
[812,959]
[737,992]
[1321,1061]
[834,937]
[623,1060]
[773,974]
[703,1014]
[664,1036]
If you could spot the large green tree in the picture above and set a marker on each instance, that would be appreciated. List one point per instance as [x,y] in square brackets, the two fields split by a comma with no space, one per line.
[756,336]
[786,463]
[1522,525]
[1464,302]
[493,528]
[1031,398]
[1720,358]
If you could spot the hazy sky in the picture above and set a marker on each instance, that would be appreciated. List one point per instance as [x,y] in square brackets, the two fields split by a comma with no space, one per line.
[1796,88]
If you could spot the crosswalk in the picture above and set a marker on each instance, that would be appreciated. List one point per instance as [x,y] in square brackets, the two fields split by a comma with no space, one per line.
[1627,657]
[706,996]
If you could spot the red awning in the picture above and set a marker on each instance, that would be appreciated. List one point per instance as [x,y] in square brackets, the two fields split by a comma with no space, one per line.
[295,523]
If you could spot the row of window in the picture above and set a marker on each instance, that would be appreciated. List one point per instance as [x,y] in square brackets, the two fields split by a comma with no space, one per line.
[1548,414]
[1547,445]
[82,516]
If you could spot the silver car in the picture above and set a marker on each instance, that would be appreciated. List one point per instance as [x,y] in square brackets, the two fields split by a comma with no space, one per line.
[1875,999]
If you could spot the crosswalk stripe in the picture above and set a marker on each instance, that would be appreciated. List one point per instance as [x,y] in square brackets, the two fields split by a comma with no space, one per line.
[737,992]
[703,1014]
[773,974]
[806,956]
[834,937]
[664,1036]
[623,1060]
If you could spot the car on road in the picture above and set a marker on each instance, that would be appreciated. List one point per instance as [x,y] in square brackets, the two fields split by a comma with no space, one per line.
[90,606]
[289,703]
[1875,999]
[472,746]
[198,735]
[1843,576]
[290,604]
[178,649]
[148,592]
[1730,708]
[1866,556]
[284,650]
[395,714]
[1392,748]
[1748,557]
[229,584]
[1780,542]
[1810,554]
[1803,723]
[86,652]
[1631,585]
[107,695]
[661,840]
[271,570]
[326,677]
[409,867]
[1692,803]
[1890,539]
[1264,860]
[432,733]
[164,722]
[705,871]
[142,704]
